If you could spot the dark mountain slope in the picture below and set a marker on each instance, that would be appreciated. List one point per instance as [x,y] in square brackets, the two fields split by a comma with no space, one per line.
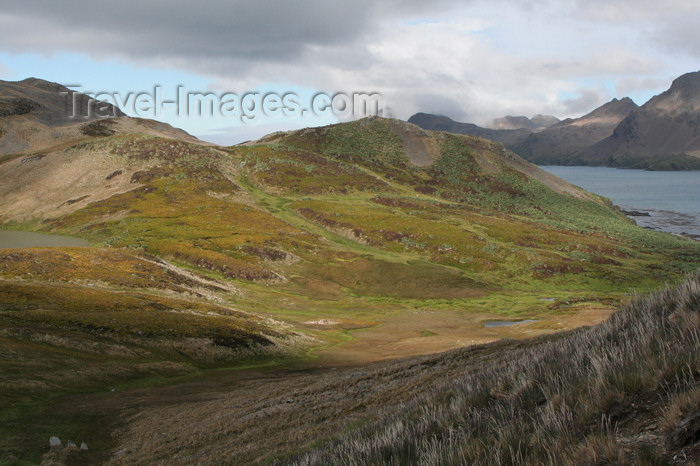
[664,133]
[557,144]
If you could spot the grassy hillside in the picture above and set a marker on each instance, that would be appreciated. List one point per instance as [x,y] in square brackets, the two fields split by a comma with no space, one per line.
[346,244]
[334,224]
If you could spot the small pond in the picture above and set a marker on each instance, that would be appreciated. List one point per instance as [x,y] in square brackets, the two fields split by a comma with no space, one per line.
[28,239]
[506,323]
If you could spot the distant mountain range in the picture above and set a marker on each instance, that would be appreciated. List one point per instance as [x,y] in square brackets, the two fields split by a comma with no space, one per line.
[536,123]
[431,122]
[665,131]
[662,134]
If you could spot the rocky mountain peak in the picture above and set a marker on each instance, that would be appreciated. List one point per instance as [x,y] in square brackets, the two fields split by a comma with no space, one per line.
[683,96]
[616,107]
[687,85]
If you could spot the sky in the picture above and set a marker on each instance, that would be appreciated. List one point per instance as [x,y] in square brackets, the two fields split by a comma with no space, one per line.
[280,65]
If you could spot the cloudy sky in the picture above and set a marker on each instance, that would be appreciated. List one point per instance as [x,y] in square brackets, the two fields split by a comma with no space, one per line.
[472,60]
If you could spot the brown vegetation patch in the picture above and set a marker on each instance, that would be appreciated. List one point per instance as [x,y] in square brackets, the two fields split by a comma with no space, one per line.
[113,174]
[543,271]
[76,200]
[118,268]
[425,189]
[396,202]
[322,219]
[171,150]
[151,174]
[15,106]
[342,228]
[32,158]
[98,128]
[225,265]
[266,253]
[394,235]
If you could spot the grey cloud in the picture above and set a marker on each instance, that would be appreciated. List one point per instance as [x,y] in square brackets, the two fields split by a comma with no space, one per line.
[672,24]
[263,29]
[440,105]
[681,35]
[588,100]
[627,86]
[625,11]
[226,30]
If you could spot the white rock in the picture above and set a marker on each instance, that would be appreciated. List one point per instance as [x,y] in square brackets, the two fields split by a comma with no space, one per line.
[54,442]
[83,446]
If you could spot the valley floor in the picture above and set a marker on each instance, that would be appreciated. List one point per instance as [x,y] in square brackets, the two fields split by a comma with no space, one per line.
[644,414]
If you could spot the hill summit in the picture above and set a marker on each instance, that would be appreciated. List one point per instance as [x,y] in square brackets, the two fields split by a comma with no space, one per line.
[38,116]
[51,103]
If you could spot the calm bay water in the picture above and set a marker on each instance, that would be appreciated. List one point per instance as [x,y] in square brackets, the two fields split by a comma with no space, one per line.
[28,239]
[672,199]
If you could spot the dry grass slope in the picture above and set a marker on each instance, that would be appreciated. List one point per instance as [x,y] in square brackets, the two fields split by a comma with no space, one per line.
[623,392]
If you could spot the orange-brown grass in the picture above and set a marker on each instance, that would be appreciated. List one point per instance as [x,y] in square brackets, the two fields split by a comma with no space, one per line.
[99,327]
[118,313]
[119,268]
[506,247]
[176,217]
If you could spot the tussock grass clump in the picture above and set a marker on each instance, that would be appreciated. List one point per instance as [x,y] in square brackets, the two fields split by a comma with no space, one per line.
[98,128]
[578,398]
